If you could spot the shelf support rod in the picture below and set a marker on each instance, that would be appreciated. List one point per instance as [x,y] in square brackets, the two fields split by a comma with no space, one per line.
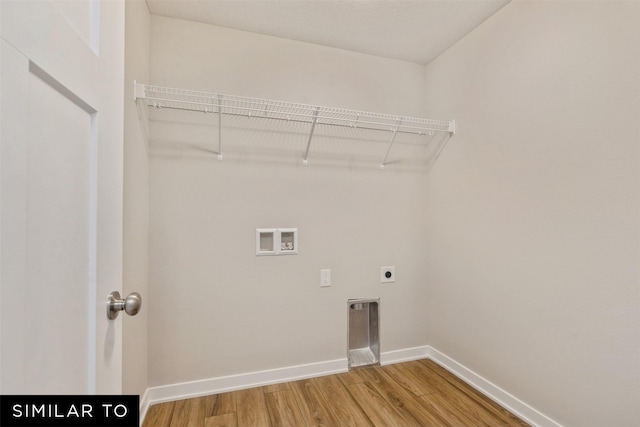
[393,138]
[219,127]
[313,126]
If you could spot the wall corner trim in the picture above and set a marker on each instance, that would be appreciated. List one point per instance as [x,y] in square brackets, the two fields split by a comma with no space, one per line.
[492,391]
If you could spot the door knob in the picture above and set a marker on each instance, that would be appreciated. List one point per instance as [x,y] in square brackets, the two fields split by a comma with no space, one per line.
[115,304]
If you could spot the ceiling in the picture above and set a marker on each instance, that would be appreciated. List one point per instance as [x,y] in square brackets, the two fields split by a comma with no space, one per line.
[409,30]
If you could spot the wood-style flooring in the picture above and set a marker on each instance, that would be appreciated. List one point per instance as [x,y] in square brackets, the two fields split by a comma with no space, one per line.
[418,393]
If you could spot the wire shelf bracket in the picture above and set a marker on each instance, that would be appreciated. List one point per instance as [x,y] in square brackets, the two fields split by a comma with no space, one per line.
[232,105]
[305,160]
[393,138]
[220,127]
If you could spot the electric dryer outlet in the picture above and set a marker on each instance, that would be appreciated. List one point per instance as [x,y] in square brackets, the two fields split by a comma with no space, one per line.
[387,274]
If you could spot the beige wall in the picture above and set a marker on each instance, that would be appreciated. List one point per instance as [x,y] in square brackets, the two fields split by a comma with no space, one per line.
[533,209]
[216,308]
[517,254]
[136,201]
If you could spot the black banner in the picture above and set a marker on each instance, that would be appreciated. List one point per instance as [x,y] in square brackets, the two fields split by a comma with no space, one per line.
[65,411]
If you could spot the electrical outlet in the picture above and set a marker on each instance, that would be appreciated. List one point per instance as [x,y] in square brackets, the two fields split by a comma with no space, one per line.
[387,274]
[325,278]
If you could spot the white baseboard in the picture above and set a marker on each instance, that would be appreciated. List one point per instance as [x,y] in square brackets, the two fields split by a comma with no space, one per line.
[271,376]
[216,385]
[242,381]
[404,355]
[144,405]
[495,393]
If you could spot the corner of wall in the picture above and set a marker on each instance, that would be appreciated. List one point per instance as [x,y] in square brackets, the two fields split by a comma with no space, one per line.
[527,286]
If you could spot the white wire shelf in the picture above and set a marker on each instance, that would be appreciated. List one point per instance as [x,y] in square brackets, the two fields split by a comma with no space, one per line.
[231,105]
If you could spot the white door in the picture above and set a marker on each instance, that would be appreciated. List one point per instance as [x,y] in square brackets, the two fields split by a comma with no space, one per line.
[61,65]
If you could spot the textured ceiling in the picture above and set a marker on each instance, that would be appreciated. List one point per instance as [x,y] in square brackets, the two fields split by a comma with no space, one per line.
[410,30]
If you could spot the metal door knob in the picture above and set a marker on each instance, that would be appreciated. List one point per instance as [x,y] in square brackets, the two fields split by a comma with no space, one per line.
[115,304]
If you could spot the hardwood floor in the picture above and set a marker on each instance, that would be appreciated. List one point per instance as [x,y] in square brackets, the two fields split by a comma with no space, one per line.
[418,393]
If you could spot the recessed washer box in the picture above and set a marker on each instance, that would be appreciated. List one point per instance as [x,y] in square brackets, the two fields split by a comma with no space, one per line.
[276,241]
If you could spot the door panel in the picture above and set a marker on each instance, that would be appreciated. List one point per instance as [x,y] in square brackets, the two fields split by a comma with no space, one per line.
[61,196]
[58,242]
